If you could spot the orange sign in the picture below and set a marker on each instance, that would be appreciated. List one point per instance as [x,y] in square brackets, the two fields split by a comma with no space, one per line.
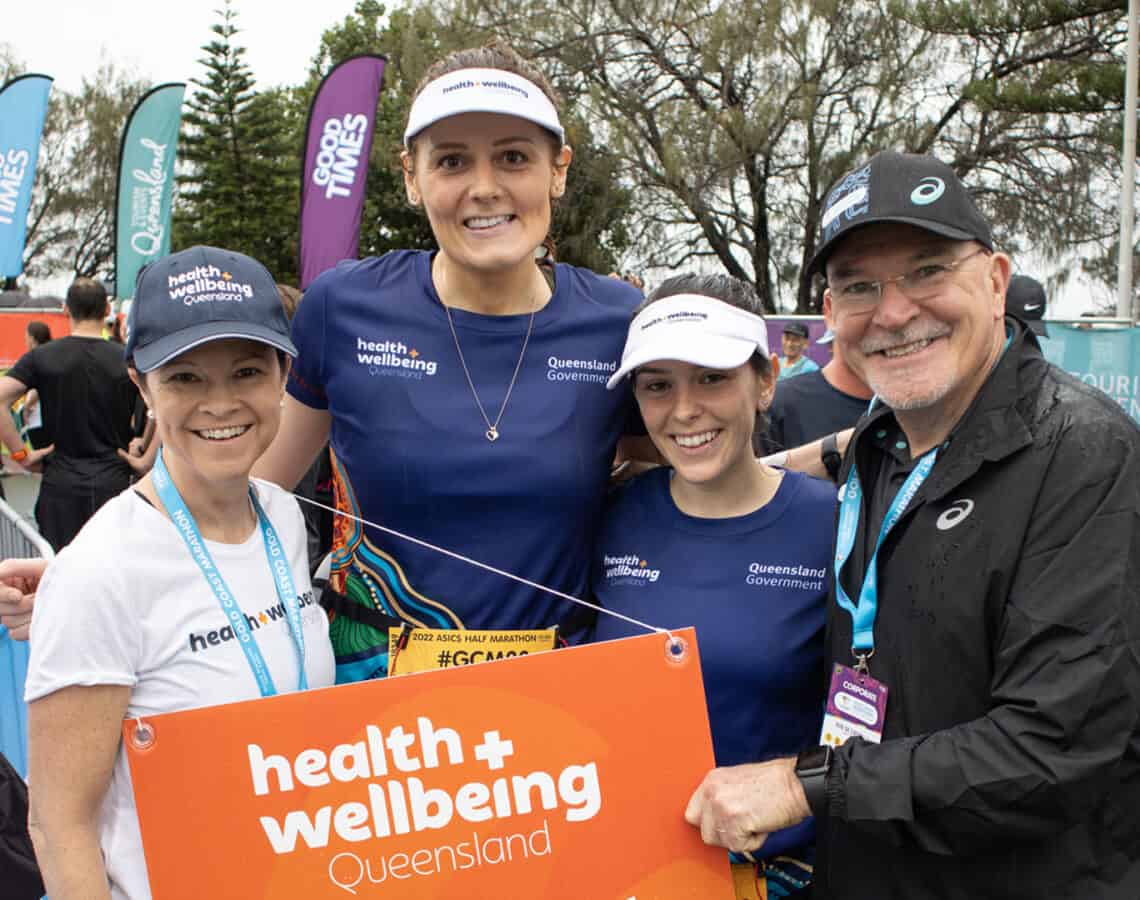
[14,323]
[556,775]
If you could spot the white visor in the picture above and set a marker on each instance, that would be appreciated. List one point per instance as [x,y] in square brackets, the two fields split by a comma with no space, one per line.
[482,90]
[695,329]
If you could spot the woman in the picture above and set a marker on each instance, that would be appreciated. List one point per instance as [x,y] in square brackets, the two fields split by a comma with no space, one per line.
[462,391]
[28,409]
[719,540]
[208,349]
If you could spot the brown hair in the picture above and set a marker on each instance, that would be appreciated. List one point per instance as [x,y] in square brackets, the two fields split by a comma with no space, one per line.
[290,297]
[39,332]
[725,288]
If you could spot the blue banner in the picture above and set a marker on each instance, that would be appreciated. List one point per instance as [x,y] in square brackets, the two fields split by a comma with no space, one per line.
[146,180]
[1105,357]
[13,712]
[23,107]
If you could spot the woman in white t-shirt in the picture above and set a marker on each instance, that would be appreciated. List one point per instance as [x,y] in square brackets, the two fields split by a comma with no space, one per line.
[127,624]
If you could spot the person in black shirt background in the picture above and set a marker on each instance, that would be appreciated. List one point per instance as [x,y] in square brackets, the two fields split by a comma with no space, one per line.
[87,401]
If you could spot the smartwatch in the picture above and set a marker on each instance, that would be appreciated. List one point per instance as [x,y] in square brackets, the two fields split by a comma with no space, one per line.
[812,767]
[830,456]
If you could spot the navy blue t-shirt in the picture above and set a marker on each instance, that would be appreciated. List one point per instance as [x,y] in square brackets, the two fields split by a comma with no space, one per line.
[755,589]
[410,451]
[805,409]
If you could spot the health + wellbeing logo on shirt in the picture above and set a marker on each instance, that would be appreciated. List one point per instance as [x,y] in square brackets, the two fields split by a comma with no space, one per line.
[203,640]
[393,358]
[629,569]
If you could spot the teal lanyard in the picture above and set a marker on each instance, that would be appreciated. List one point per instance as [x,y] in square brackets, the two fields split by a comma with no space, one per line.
[850,502]
[175,507]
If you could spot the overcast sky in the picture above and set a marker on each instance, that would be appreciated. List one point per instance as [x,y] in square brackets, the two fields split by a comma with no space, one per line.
[162,41]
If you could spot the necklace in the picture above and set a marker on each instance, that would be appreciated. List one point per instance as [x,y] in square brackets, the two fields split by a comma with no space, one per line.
[492,432]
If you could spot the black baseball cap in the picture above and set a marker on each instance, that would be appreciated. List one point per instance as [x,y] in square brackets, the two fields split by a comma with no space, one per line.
[200,295]
[1025,298]
[900,187]
[797,328]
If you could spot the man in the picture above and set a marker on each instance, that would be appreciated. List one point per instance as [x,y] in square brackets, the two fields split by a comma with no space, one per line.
[793,342]
[1001,500]
[816,404]
[87,399]
[1025,298]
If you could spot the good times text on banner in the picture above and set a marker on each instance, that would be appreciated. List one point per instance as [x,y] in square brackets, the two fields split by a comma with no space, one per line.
[554,775]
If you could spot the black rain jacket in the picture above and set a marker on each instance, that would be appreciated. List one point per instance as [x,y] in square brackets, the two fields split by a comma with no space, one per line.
[1009,638]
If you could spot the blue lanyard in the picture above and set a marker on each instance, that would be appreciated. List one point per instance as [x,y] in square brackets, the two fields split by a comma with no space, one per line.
[850,501]
[282,578]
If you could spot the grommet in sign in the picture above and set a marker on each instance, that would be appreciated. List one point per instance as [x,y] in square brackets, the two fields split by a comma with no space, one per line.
[676,650]
[142,736]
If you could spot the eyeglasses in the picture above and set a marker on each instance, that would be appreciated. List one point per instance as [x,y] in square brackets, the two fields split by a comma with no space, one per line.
[918,284]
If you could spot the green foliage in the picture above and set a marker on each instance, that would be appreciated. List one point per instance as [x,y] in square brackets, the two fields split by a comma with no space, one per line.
[241,185]
[1038,119]
[706,134]
[731,121]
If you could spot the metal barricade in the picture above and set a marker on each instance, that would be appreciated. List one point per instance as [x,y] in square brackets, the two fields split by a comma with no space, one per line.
[17,539]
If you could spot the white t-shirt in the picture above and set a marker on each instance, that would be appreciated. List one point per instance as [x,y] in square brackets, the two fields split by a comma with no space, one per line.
[125,604]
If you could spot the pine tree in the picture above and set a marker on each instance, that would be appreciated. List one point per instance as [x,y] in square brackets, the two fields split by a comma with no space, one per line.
[240,191]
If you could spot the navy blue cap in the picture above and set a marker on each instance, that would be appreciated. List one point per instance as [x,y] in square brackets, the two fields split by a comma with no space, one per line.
[797,328]
[900,187]
[200,295]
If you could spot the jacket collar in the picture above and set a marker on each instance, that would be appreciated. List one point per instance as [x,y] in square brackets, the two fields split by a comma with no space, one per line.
[992,428]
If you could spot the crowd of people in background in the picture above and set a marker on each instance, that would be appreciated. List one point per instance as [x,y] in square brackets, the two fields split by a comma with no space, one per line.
[976,577]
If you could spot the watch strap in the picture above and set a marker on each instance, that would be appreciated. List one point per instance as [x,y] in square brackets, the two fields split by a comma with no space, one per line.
[812,768]
[830,456]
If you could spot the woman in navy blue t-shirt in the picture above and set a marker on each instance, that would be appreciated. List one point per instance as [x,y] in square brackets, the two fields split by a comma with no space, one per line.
[462,391]
[720,541]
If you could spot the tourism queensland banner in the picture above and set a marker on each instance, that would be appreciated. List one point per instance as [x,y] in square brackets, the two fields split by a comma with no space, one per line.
[338,142]
[146,183]
[23,108]
[557,775]
[1107,358]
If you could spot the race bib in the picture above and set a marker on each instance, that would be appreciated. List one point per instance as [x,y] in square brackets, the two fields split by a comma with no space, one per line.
[425,649]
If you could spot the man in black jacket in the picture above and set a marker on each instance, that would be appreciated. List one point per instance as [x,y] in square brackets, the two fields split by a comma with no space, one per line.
[988,589]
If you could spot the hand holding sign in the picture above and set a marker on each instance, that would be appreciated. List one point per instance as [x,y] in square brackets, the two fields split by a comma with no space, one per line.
[737,807]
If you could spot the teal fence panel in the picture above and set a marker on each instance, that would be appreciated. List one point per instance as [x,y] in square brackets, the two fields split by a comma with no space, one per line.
[1106,358]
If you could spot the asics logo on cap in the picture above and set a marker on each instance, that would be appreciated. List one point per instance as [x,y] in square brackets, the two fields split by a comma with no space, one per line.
[928,190]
